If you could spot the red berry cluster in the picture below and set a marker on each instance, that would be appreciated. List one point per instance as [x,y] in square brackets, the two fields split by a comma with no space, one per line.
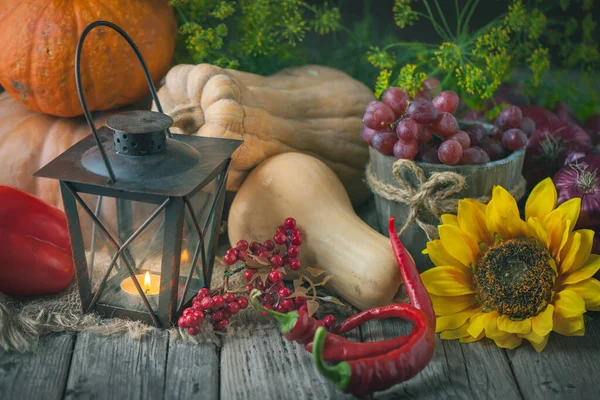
[425,129]
[219,308]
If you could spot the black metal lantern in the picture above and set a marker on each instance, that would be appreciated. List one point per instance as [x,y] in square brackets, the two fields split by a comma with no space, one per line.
[143,207]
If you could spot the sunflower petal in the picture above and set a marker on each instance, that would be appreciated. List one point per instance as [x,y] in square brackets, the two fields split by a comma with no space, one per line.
[541,324]
[542,200]
[559,227]
[443,305]
[453,321]
[569,304]
[571,209]
[502,214]
[587,271]
[538,342]
[569,326]
[508,341]
[508,325]
[439,256]
[447,281]
[459,246]
[538,231]
[471,219]
[449,219]
[478,323]
[589,290]
[491,326]
[471,339]
[455,333]
[576,253]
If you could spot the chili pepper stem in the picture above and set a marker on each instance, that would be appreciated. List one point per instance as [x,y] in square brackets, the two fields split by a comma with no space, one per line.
[339,374]
[287,321]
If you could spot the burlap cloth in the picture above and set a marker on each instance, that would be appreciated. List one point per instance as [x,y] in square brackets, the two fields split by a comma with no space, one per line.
[23,321]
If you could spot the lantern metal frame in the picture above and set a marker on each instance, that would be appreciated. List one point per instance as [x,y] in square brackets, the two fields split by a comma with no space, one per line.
[171,194]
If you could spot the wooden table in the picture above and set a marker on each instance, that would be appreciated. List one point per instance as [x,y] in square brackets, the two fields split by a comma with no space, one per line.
[263,365]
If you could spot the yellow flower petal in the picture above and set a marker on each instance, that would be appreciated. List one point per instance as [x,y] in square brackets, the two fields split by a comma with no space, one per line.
[508,325]
[471,339]
[538,342]
[439,256]
[479,321]
[502,214]
[459,246]
[571,209]
[447,281]
[542,200]
[569,304]
[541,324]
[491,326]
[538,231]
[589,290]
[443,305]
[508,341]
[454,321]
[471,218]
[449,219]
[455,333]
[559,227]
[576,250]
[591,266]
[569,326]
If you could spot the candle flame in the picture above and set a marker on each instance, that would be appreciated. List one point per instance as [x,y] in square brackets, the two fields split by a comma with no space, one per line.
[147,282]
[185,255]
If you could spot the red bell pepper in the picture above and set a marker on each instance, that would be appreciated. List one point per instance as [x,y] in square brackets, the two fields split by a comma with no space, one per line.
[35,249]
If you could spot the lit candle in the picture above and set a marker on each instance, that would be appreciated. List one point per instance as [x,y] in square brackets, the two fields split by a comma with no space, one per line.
[150,285]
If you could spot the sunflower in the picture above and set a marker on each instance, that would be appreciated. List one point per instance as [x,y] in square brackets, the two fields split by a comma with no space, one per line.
[500,277]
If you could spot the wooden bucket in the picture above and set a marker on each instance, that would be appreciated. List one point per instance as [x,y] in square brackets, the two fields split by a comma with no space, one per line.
[480,179]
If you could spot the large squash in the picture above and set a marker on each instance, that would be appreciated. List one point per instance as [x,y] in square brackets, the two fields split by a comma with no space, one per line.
[39,38]
[311,109]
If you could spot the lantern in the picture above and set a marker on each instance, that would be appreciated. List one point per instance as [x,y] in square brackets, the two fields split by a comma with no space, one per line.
[143,207]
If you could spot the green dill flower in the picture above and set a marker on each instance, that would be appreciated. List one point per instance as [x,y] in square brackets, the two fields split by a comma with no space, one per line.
[404,15]
[516,17]
[223,10]
[539,64]
[494,41]
[564,4]
[586,5]
[588,26]
[293,28]
[570,27]
[380,58]
[498,65]
[537,24]
[448,56]
[382,82]
[586,55]
[409,79]
[471,79]
[326,20]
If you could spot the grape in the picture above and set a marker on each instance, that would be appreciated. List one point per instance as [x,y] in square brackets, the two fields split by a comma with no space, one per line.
[474,156]
[463,138]
[384,142]
[446,101]
[406,149]
[378,115]
[493,148]
[514,139]
[450,152]
[425,134]
[407,130]
[429,89]
[366,134]
[527,126]
[422,111]
[477,134]
[430,155]
[509,118]
[445,124]
[396,99]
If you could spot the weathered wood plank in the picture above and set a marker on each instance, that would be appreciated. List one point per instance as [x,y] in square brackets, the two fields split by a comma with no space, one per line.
[566,369]
[38,375]
[455,372]
[264,365]
[118,367]
[192,371]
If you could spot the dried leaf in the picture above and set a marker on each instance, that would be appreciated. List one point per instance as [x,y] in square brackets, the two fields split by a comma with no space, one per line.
[260,261]
[325,280]
[333,300]
[312,307]
[315,271]
[297,283]
[299,292]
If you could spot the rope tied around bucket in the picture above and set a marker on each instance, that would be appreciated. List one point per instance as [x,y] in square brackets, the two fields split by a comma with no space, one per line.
[427,197]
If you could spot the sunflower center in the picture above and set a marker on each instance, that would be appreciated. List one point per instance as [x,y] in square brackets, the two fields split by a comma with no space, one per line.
[515,277]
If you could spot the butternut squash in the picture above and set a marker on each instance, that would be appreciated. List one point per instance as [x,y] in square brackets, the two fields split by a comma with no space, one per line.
[334,237]
[311,109]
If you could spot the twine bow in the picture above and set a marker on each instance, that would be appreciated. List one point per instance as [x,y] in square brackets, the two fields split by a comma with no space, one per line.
[429,196]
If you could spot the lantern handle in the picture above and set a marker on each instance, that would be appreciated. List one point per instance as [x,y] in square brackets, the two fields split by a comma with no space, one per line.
[86,111]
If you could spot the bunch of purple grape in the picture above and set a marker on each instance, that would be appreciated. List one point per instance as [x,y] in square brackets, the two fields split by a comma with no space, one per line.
[425,129]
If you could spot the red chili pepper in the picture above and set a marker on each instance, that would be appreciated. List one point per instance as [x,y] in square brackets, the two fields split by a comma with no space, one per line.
[376,373]
[35,250]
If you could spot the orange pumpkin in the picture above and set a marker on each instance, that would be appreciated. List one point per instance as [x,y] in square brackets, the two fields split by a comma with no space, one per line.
[39,38]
